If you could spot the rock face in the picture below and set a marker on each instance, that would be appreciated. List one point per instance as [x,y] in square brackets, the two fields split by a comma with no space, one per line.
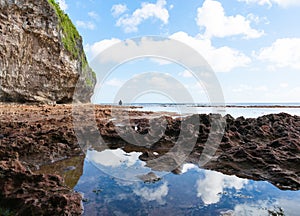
[41,54]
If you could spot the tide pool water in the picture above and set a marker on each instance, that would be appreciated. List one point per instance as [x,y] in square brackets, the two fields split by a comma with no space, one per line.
[112,182]
[109,188]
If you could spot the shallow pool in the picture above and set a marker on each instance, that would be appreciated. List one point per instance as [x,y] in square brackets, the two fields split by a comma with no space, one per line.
[113,183]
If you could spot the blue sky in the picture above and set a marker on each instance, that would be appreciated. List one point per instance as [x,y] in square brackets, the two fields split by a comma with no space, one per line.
[252,45]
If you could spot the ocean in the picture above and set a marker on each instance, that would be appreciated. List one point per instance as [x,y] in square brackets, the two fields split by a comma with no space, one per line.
[248,110]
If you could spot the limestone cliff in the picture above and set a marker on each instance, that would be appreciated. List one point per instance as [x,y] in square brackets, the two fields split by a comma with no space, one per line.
[41,54]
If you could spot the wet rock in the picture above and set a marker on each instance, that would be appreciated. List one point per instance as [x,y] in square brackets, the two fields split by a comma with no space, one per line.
[29,194]
[70,170]
[149,178]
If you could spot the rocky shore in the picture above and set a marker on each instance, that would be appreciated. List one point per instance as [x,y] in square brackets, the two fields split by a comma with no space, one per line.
[266,148]
[32,136]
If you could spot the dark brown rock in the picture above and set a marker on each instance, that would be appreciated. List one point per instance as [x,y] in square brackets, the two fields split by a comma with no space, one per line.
[35,194]
[266,148]
[250,148]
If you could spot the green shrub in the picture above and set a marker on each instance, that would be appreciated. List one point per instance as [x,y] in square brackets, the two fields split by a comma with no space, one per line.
[6,212]
[70,34]
[71,38]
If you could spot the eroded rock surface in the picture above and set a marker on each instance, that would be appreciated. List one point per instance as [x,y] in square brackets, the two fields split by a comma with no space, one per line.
[266,148]
[26,193]
[41,54]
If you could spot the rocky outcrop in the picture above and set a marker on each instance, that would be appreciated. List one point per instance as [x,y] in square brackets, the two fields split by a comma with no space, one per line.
[41,54]
[265,148]
[26,193]
[31,136]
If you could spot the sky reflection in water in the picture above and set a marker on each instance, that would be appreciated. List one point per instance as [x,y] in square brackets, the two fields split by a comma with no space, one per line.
[108,191]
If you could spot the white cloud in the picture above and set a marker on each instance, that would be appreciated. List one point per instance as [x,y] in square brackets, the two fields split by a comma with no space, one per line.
[262,88]
[161,61]
[261,207]
[281,3]
[211,17]
[282,53]
[153,194]
[293,94]
[186,74]
[100,46]
[248,88]
[290,206]
[259,2]
[252,209]
[118,9]
[62,4]
[242,88]
[282,93]
[223,59]
[114,158]
[86,25]
[93,15]
[187,167]
[284,85]
[210,188]
[131,22]
[257,19]
[287,3]
[157,83]
[115,82]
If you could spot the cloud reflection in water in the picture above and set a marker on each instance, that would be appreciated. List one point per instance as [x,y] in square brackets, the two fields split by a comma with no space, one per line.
[211,188]
[114,158]
[153,194]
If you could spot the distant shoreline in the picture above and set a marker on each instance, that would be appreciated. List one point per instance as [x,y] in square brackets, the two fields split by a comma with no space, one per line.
[220,106]
[251,106]
[143,105]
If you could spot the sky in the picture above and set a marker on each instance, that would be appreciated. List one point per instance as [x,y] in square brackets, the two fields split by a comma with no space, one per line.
[253,46]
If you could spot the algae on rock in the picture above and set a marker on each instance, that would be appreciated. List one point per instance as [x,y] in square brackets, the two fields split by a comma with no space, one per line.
[70,33]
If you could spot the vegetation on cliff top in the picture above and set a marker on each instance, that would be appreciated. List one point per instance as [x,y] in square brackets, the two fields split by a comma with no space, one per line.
[71,38]
[71,35]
